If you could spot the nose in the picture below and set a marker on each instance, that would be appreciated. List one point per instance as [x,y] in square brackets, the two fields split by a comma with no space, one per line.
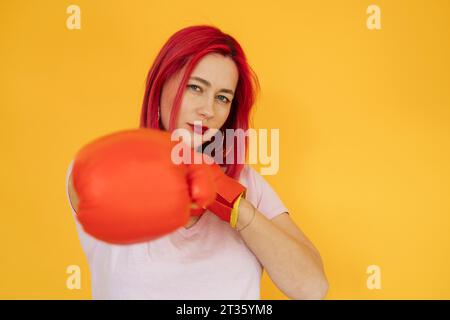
[206,111]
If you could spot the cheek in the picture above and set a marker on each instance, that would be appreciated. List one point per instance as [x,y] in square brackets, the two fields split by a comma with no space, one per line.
[222,115]
[189,103]
[186,110]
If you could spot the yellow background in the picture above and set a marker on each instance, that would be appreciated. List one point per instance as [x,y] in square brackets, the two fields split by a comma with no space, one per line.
[363,115]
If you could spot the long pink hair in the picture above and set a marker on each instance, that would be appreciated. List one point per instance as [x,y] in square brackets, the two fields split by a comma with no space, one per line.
[188,46]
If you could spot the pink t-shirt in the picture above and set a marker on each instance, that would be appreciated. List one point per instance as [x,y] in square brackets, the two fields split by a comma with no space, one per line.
[208,261]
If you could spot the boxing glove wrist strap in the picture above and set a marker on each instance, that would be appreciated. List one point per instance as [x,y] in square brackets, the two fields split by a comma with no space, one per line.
[235,211]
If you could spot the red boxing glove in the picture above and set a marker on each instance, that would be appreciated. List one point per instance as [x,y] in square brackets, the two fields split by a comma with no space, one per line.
[129,189]
[228,190]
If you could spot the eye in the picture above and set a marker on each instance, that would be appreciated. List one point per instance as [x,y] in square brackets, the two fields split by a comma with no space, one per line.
[193,86]
[226,99]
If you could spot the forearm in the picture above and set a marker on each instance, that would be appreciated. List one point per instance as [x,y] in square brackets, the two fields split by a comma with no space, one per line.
[293,266]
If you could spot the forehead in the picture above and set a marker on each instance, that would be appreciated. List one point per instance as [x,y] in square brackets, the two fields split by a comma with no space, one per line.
[219,70]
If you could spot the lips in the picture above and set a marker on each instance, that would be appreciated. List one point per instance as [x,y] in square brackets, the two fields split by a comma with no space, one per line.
[198,129]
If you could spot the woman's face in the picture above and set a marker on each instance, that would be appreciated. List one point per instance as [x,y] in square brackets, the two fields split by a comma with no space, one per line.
[206,98]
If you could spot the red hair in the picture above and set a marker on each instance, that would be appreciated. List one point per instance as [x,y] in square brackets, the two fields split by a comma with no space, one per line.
[186,47]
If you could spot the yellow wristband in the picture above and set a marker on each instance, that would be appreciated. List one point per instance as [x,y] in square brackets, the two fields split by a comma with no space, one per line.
[235,211]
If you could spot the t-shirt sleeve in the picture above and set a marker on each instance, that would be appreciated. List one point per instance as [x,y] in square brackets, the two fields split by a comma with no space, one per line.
[265,198]
[88,242]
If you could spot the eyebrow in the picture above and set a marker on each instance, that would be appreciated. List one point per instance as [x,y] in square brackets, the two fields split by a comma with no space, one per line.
[208,84]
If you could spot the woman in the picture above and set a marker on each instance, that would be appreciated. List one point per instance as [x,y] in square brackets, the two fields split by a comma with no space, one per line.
[201,74]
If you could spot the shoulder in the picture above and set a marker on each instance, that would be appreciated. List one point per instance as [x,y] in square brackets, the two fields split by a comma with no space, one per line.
[252,179]
[70,192]
[260,193]
[249,174]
